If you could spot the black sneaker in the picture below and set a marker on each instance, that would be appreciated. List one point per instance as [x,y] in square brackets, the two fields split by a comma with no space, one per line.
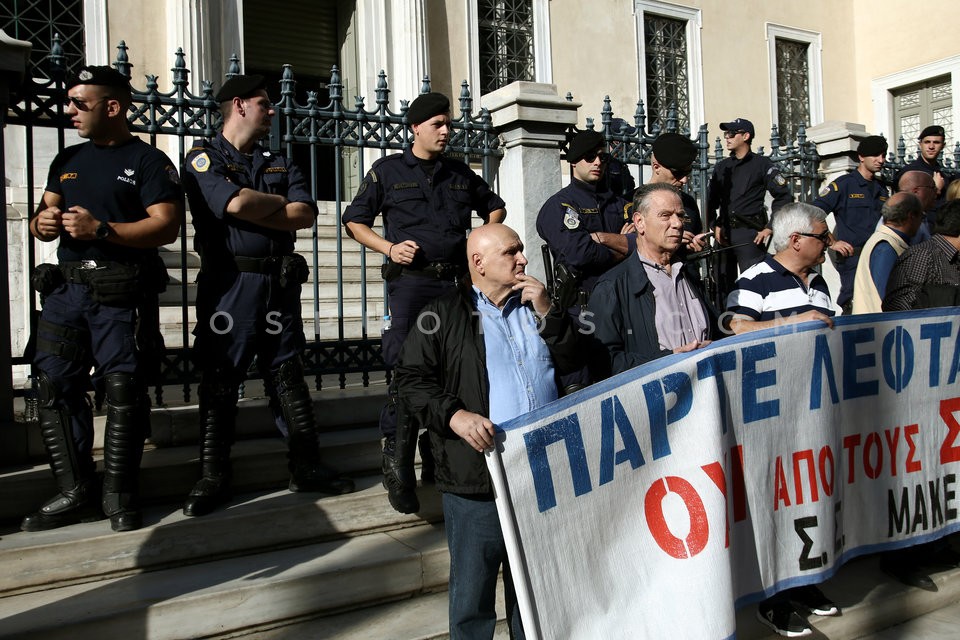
[812,599]
[783,618]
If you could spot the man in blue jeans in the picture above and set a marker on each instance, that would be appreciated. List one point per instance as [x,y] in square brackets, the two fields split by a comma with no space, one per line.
[477,356]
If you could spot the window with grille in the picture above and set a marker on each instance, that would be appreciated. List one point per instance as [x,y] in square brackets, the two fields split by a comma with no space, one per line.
[38,20]
[920,105]
[505,30]
[793,88]
[665,57]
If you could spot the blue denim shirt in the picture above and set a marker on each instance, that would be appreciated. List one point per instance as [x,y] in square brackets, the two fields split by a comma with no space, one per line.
[519,367]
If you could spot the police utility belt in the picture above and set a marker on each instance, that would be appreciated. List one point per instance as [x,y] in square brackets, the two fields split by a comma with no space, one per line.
[115,284]
[434,270]
[755,221]
[288,270]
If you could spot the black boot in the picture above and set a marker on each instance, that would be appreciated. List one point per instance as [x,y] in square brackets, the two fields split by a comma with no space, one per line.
[399,450]
[307,471]
[428,464]
[76,480]
[218,413]
[128,420]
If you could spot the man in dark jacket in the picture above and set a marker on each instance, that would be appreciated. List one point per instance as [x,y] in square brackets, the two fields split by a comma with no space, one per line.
[476,357]
[648,306]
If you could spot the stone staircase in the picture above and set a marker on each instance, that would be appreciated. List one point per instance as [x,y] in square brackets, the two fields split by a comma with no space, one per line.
[270,559]
[280,566]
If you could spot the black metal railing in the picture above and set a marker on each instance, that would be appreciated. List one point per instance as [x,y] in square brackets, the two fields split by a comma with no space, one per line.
[303,129]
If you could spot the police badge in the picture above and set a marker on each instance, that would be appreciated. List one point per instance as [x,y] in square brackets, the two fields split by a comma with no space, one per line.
[571,219]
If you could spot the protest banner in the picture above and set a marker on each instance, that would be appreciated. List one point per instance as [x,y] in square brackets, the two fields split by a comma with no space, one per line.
[655,503]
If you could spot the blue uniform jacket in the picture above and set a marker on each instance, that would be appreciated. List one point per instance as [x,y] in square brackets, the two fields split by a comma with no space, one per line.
[435,212]
[855,203]
[567,219]
[213,173]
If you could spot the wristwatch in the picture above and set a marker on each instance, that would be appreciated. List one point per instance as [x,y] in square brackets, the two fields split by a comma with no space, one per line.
[103,231]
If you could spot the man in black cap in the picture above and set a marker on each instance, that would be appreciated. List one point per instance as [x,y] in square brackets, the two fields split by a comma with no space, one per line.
[247,205]
[671,162]
[930,145]
[855,200]
[736,191]
[427,201]
[583,224]
[110,202]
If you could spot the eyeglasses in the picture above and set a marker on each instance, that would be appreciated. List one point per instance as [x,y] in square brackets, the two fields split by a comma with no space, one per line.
[603,155]
[80,104]
[732,134]
[824,237]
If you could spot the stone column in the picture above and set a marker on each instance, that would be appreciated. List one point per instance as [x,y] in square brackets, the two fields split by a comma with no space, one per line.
[531,119]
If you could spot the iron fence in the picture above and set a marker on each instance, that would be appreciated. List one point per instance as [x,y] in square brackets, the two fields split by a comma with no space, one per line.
[302,129]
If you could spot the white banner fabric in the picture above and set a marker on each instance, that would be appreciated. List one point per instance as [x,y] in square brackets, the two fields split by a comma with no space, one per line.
[655,503]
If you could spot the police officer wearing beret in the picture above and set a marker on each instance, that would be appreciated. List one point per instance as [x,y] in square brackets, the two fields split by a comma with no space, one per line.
[583,225]
[855,199]
[671,162]
[736,192]
[110,202]
[427,201]
[930,145]
[247,204]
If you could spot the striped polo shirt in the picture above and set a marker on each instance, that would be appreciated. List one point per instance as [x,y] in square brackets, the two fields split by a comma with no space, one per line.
[767,291]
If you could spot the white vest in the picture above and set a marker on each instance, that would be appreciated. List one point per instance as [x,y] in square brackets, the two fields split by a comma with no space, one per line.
[865,296]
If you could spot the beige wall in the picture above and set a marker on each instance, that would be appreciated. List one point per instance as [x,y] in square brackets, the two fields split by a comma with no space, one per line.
[449,52]
[143,26]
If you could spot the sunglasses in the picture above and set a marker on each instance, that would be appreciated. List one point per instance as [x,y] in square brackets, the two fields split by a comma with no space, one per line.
[822,237]
[732,134]
[603,155]
[680,174]
[80,104]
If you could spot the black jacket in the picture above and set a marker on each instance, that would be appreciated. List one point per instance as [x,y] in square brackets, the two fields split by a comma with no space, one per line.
[444,370]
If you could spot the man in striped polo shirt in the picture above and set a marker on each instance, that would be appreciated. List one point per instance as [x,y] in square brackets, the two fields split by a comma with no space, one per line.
[783,289]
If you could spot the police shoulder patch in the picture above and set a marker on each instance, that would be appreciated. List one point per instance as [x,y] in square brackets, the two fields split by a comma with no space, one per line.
[201,162]
[778,179]
[825,189]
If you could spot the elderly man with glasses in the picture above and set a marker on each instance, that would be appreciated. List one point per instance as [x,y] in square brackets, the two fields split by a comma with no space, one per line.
[736,193]
[583,224]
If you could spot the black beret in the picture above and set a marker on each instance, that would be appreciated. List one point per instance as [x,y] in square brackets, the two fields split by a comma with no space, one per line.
[240,87]
[872,146]
[740,124]
[933,130]
[102,76]
[582,144]
[426,106]
[674,151]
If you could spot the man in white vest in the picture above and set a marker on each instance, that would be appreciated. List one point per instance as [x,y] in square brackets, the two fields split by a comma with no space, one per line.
[902,216]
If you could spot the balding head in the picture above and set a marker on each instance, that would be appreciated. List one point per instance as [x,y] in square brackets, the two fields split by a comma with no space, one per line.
[903,211]
[919,183]
[495,257]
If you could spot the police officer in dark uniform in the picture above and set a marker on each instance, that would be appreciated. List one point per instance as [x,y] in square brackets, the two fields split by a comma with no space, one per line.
[426,201]
[583,225]
[247,204]
[855,200]
[110,201]
[671,161]
[930,145]
[737,189]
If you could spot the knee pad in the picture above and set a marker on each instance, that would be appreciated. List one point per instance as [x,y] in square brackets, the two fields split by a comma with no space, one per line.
[123,389]
[48,393]
[288,375]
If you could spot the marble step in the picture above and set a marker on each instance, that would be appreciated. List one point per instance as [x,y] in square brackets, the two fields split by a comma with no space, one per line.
[252,523]
[230,595]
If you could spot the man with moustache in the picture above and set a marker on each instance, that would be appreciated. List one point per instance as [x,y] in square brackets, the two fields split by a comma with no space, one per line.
[247,205]
[427,201]
[480,355]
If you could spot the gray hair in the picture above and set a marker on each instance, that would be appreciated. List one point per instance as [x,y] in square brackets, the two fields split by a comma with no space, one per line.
[797,217]
[641,197]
